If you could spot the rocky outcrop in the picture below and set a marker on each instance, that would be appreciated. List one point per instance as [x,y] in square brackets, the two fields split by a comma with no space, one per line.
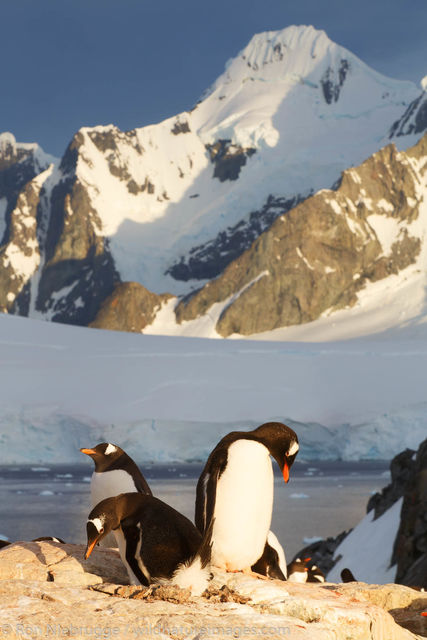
[131,307]
[20,255]
[78,271]
[410,548]
[208,260]
[228,159]
[322,252]
[48,588]
[409,554]
[414,120]
[333,80]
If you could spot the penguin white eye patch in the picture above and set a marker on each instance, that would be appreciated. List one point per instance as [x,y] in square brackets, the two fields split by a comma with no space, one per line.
[98,524]
[293,448]
[110,449]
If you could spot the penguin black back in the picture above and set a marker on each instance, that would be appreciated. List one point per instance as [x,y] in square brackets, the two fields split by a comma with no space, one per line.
[159,542]
[110,457]
[278,438]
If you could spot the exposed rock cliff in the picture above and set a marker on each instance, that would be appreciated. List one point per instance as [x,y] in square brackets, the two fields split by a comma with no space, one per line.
[131,307]
[321,253]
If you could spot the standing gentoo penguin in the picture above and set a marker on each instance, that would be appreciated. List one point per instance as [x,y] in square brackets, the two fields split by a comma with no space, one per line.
[157,543]
[235,490]
[272,562]
[115,472]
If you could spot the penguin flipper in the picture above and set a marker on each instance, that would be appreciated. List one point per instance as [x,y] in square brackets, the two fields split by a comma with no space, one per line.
[206,489]
[142,485]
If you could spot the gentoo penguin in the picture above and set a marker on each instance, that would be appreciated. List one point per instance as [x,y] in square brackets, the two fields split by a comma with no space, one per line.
[48,539]
[347,575]
[315,574]
[115,472]
[272,562]
[297,571]
[156,542]
[235,490]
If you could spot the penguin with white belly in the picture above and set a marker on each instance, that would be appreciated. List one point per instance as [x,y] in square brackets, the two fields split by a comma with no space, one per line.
[115,472]
[157,544]
[272,563]
[235,490]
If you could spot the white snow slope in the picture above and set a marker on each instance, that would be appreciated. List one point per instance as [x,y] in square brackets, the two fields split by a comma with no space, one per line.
[271,99]
[169,398]
[367,550]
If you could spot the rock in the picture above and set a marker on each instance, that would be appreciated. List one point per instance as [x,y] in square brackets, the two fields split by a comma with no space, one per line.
[60,563]
[410,547]
[408,480]
[404,604]
[86,599]
[130,307]
[318,255]
[401,469]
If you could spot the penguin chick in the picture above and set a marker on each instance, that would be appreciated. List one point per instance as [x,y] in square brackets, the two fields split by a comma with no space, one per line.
[157,544]
[236,490]
[272,562]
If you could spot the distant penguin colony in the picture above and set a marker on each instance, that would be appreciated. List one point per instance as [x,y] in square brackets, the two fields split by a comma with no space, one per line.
[235,492]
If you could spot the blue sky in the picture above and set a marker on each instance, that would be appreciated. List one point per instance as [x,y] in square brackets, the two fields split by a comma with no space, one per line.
[73,63]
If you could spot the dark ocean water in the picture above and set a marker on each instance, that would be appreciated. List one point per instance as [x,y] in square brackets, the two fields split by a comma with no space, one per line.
[321,499]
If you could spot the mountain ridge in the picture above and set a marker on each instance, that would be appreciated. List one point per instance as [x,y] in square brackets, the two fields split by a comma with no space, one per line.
[173,205]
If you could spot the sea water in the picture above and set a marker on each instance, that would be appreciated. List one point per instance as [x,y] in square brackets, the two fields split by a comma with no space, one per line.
[322,499]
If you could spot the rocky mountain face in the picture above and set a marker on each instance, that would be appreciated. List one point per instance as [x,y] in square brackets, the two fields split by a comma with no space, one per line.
[131,307]
[322,252]
[191,203]
[408,481]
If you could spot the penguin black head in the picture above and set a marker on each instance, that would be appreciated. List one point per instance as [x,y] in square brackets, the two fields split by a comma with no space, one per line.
[106,455]
[281,441]
[101,520]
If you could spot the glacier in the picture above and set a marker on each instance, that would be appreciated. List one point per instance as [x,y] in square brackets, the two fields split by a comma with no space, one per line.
[172,398]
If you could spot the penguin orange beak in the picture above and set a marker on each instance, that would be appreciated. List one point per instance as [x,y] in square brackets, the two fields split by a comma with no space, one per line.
[90,547]
[88,452]
[286,472]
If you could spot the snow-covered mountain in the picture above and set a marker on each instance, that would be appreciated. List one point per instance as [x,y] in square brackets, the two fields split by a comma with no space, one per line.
[173,205]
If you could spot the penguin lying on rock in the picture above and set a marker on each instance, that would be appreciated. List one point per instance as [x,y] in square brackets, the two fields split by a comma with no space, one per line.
[297,571]
[272,562]
[235,490]
[156,543]
[300,571]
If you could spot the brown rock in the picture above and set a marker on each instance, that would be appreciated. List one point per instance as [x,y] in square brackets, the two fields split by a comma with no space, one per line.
[130,307]
[34,607]
[319,254]
[60,563]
